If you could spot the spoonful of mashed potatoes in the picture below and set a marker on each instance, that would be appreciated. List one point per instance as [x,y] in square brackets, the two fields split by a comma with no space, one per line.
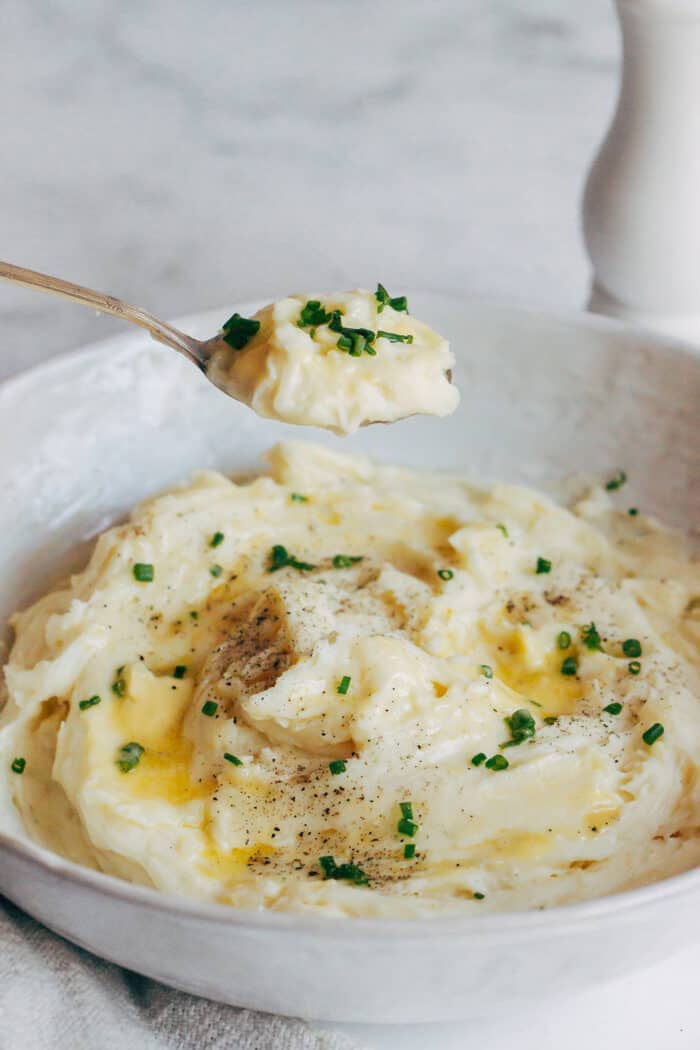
[338,361]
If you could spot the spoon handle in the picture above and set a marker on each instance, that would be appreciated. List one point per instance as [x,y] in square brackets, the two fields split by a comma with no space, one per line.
[107,304]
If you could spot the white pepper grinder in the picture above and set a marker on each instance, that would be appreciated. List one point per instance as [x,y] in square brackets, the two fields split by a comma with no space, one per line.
[641,212]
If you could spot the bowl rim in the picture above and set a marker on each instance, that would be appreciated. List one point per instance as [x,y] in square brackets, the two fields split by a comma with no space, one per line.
[559,919]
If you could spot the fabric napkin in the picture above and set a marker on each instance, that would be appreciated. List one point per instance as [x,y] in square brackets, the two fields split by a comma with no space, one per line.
[54,996]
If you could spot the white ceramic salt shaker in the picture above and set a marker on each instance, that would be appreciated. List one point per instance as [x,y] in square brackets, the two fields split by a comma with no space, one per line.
[641,212]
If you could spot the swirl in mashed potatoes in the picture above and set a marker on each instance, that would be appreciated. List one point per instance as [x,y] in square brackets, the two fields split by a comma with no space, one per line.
[363,690]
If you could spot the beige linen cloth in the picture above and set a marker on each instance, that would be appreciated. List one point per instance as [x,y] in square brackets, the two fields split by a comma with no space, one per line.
[54,996]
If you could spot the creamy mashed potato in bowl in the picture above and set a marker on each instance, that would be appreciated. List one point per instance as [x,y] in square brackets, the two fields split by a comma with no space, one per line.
[484,692]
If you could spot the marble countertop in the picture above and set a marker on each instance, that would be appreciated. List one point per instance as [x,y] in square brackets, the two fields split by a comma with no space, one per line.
[185,156]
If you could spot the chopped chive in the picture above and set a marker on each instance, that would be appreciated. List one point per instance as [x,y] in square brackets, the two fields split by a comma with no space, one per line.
[398,302]
[591,638]
[407,827]
[632,647]
[564,640]
[238,331]
[209,708]
[344,684]
[569,666]
[633,512]
[18,765]
[502,528]
[551,719]
[344,561]
[406,809]
[497,762]
[445,574]
[296,497]
[478,759]
[617,482]
[312,314]
[337,766]
[479,896]
[543,565]
[216,539]
[130,756]
[180,671]
[119,683]
[409,851]
[486,670]
[143,572]
[351,872]
[216,571]
[613,709]
[194,615]
[652,734]
[233,759]
[394,337]
[92,702]
[280,558]
[634,667]
[521,725]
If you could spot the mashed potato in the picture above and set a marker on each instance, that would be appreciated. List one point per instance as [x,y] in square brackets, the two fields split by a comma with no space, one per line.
[337,361]
[361,690]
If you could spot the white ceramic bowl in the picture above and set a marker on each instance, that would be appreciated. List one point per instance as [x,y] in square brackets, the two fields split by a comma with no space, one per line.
[83,438]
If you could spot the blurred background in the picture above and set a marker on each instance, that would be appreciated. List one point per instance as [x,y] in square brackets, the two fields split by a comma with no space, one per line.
[186,156]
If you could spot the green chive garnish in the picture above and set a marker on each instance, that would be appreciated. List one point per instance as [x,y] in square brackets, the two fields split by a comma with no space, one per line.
[143,572]
[344,684]
[215,571]
[209,708]
[445,574]
[194,615]
[312,314]
[591,638]
[503,529]
[478,759]
[652,734]
[569,666]
[180,671]
[521,725]
[617,482]
[351,872]
[394,337]
[119,683]
[632,647]
[406,809]
[564,640]
[92,702]
[238,331]
[18,765]
[633,512]
[296,497]
[344,561]
[479,896]
[129,756]
[543,565]
[613,709]
[409,851]
[634,667]
[216,539]
[383,298]
[551,719]
[281,559]
[337,766]
[497,762]
[486,670]
[232,759]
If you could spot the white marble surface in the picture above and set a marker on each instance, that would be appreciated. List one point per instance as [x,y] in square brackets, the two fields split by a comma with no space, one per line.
[187,155]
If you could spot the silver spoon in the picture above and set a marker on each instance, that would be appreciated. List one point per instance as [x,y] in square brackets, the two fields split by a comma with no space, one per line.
[196,350]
